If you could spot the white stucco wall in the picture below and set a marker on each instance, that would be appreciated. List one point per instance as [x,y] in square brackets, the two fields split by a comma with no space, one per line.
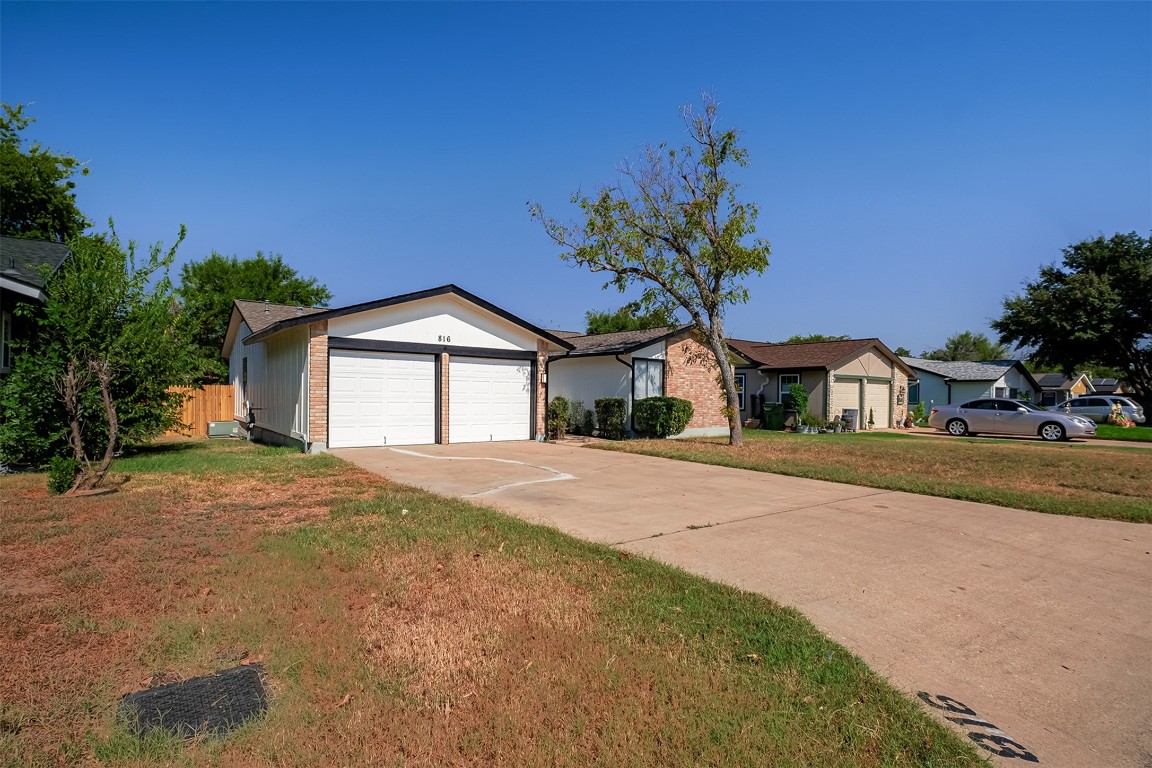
[436,320]
[587,379]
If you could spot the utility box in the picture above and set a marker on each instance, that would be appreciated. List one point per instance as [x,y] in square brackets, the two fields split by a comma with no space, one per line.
[849,417]
[223,429]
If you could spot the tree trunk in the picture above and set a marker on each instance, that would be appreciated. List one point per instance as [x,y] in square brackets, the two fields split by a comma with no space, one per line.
[91,478]
[70,386]
[719,349]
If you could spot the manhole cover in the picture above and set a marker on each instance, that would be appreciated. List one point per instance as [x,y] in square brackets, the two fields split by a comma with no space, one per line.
[215,703]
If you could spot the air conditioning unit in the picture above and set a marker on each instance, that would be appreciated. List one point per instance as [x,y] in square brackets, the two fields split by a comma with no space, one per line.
[223,429]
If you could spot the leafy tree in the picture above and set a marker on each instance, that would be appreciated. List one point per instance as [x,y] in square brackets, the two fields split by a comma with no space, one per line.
[673,224]
[903,352]
[813,337]
[627,318]
[1095,309]
[95,376]
[974,347]
[208,288]
[36,197]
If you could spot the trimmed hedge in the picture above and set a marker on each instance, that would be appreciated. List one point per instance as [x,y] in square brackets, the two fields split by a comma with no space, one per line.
[610,415]
[661,416]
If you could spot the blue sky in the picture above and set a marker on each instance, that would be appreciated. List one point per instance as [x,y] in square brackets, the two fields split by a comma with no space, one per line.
[914,163]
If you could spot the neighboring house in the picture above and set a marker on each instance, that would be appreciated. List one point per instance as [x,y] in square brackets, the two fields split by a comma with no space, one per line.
[634,365]
[948,382]
[1107,386]
[853,374]
[22,266]
[435,366]
[1056,388]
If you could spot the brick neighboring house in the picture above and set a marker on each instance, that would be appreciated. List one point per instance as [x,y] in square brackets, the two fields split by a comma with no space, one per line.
[853,374]
[633,365]
[22,282]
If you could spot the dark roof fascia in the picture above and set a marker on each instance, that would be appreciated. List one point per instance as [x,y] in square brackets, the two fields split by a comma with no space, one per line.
[444,290]
[629,349]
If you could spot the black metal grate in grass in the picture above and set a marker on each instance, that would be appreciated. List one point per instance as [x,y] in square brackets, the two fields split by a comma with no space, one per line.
[215,704]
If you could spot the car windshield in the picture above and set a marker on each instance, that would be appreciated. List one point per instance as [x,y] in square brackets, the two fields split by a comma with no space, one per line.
[1030,407]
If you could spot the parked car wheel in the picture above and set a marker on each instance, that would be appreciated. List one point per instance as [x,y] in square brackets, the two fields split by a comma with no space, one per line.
[957,427]
[1052,432]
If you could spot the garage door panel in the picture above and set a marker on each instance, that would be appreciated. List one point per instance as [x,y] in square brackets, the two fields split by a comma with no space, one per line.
[489,400]
[381,398]
[877,398]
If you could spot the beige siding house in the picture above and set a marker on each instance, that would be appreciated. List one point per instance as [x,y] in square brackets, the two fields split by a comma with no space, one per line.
[860,375]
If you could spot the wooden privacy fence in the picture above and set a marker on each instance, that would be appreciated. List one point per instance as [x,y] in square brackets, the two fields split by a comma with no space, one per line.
[211,403]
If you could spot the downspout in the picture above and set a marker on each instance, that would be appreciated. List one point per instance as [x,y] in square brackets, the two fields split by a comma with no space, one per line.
[631,384]
[548,391]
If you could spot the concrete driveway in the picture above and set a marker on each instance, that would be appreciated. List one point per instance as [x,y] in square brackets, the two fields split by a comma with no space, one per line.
[1032,633]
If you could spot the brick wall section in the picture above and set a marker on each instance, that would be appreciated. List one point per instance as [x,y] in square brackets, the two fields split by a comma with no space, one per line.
[541,386]
[444,425]
[690,373]
[899,382]
[318,382]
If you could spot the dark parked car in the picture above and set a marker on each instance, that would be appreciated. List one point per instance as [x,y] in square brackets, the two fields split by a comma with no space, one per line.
[1008,417]
[1097,408]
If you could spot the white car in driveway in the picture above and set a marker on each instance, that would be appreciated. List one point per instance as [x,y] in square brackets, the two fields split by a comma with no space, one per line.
[1099,407]
[1008,417]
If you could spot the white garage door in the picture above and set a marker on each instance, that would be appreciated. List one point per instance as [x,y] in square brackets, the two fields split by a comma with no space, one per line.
[878,399]
[846,394]
[489,400]
[381,398]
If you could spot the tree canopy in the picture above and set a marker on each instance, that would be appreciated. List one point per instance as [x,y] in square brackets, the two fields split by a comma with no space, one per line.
[106,348]
[673,224]
[968,346]
[628,318]
[208,288]
[1094,309]
[813,337]
[36,197]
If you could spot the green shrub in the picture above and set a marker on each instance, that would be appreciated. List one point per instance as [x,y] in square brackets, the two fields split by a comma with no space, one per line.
[557,420]
[918,415]
[610,413]
[661,416]
[799,401]
[581,421]
[62,470]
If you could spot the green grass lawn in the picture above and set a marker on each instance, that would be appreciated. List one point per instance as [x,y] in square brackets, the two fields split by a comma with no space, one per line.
[1083,479]
[402,628]
[1141,433]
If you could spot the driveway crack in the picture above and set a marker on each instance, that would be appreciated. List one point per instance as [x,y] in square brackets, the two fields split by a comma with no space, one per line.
[693,528]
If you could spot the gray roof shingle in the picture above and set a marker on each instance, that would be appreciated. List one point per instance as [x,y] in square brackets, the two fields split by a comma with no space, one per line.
[262,314]
[961,370]
[22,259]
[620,342]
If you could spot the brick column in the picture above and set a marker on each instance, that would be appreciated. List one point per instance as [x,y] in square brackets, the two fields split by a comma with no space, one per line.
[444,425]
[318,384]
[541,386]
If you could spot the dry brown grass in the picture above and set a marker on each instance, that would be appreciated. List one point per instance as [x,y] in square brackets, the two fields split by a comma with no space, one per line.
[447,636]
[1083,479]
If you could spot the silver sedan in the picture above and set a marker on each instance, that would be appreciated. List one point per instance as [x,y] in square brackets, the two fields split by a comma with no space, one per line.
[1008,417]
